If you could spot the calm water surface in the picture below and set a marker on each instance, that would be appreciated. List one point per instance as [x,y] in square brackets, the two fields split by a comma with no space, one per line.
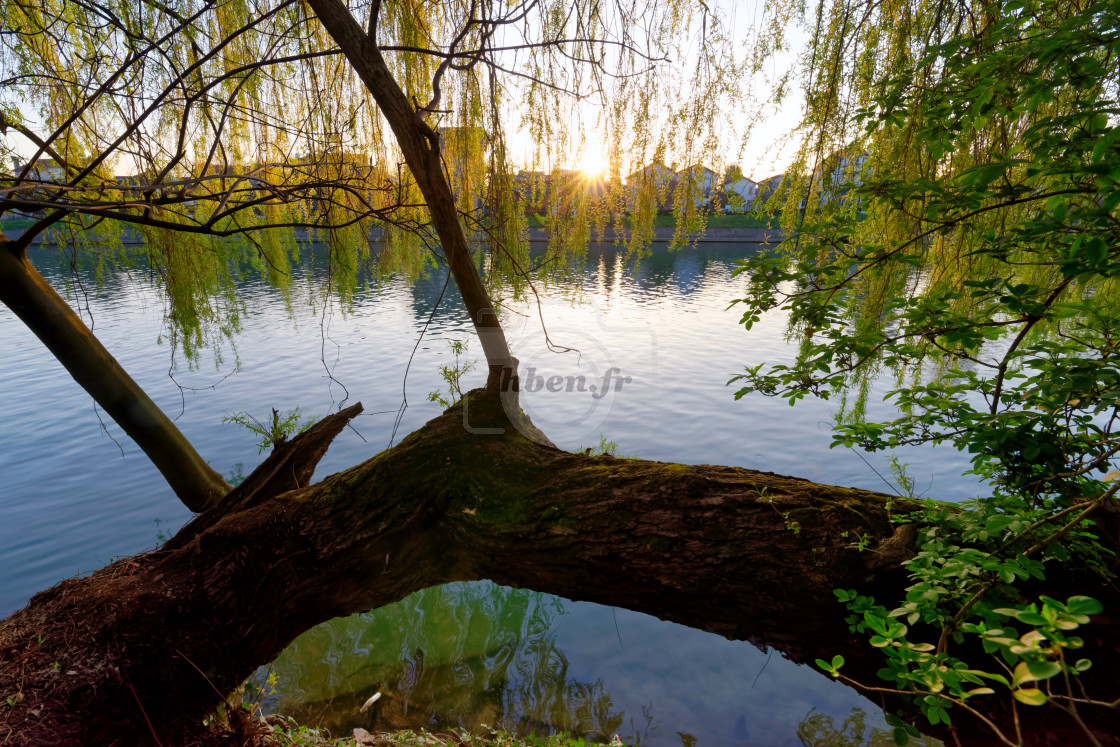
[76,492]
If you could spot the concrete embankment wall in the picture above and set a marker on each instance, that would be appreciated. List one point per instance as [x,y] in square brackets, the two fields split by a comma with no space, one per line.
[712,235]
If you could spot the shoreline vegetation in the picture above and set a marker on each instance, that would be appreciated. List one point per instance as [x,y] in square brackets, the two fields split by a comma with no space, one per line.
[720,220]
[285,732]
[746,227]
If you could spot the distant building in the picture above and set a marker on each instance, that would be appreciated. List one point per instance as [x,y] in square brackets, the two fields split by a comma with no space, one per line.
[768,187]
[533,188]
[653,182]
[563,191]
[840,171]
[739,195]
[465,151]
[42,170]
[696,184]
[131,186]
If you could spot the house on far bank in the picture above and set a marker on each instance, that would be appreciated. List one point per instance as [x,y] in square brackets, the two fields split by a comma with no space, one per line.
[563,190]
[768,187]
[739,195]
[839,172]
[532,187]
[651,184]
[696,184]
[131,186]
[465,151]
[42,170]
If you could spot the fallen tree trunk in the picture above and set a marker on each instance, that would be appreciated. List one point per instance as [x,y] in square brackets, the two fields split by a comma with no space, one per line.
[141,650]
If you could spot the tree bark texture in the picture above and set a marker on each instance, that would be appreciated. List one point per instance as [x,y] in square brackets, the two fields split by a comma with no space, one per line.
[54,322]
[141,650]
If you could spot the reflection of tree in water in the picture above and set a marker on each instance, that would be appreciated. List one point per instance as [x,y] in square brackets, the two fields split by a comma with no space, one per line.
[460,655]
[819,730]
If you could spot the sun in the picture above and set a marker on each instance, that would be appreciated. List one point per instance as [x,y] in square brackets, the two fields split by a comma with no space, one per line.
[592,162]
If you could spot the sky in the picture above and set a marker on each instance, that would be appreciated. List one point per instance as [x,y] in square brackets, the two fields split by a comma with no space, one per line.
[769,150]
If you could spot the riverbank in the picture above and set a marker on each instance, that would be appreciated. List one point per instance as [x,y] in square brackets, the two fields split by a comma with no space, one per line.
[282,734]
[661,234]
[664,234]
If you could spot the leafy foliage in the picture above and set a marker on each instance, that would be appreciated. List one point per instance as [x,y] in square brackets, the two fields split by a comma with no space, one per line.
[453,375]
[238,118]
[276,430]
[963,235]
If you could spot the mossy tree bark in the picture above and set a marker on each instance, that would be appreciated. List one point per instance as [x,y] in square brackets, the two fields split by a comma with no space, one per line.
[54,322]
[142,649]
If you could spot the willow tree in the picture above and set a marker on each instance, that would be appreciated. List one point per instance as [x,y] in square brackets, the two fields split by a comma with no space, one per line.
[238,121]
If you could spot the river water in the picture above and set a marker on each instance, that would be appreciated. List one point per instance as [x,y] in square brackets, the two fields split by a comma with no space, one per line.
[658,343]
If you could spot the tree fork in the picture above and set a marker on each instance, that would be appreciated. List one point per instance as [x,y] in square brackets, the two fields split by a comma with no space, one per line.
[24,290]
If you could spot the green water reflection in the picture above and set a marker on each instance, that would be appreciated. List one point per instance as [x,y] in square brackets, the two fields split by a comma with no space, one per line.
[477,655]
[821,730]
[460,655]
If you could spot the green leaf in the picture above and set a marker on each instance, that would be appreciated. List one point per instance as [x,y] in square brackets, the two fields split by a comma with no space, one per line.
[1043,670]
[1030,671]
[1080,605]
[1030,696]
[1030,618]
[991,676]
[1105,143]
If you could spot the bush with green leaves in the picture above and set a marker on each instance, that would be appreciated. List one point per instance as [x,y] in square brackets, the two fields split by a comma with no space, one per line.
[975,257]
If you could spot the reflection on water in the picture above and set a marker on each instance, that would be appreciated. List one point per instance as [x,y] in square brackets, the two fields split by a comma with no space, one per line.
[478,655]
[820,730]
[461,655]
[464,654]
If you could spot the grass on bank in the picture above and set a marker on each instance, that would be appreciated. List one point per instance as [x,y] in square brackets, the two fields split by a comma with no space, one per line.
[734,220]
[305,736]
[17,225]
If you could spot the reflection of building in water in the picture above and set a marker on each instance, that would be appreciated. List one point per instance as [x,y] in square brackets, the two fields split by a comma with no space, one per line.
[457,656]
[688,269]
